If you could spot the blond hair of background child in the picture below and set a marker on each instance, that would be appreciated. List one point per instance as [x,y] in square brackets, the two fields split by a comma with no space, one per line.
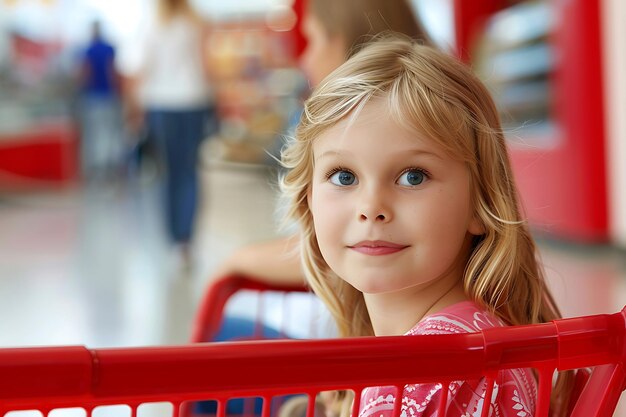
[335,30]
[399,178]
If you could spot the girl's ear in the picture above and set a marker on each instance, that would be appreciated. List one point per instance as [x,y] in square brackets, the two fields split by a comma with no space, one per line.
[476,227]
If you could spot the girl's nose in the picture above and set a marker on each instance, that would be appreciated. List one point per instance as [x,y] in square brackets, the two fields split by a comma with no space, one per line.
[382,217]
[375,208]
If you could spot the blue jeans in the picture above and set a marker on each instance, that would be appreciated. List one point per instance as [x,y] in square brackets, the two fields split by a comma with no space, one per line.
[102,146]
[178,135]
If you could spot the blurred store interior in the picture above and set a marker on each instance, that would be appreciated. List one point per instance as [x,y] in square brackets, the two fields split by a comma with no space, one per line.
[85,260]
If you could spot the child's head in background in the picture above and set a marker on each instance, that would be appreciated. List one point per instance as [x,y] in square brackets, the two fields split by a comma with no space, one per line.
[336,29]
[401,183]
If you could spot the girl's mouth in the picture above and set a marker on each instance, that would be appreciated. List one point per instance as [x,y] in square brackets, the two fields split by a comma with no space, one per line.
[377,247]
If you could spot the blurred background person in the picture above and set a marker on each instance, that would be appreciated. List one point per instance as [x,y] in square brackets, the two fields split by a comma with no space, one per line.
[173,96]
[334,31]
[99,109]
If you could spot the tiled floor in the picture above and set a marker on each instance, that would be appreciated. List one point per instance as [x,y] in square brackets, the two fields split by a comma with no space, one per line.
[92,267]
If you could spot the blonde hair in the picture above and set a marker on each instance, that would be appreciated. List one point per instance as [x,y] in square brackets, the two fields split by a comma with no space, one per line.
[430,92]
[356,21]
[167,9]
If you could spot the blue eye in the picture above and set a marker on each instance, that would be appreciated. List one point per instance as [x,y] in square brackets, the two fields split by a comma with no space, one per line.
[343,178]
[412,177]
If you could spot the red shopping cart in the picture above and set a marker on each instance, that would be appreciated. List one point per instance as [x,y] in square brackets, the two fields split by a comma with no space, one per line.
[55,379]
[211,312]
[212,324]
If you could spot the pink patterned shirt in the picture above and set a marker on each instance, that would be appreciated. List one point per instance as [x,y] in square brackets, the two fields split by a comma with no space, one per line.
[514,392]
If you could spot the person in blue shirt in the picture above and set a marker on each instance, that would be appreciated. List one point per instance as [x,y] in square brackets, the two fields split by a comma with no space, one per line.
[100,111]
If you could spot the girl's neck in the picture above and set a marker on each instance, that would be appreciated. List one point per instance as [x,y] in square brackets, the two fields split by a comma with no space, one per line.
[394,314]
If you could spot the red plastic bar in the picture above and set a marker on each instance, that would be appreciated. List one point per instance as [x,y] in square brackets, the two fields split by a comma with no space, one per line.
[210,312]
[487,401]
[603,391]
[75,376]
[46,372]
[545,391]
[443,401]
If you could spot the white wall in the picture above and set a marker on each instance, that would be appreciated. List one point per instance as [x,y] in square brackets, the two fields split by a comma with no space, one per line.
[614,38]
[438,20]
[69,21]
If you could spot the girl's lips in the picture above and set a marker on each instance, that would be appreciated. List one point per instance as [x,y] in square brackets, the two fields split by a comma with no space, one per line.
[378,247]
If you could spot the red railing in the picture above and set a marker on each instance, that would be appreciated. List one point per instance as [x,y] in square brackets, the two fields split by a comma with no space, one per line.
[60,377]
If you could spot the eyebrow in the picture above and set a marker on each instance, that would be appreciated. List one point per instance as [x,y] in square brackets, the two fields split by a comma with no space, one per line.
[416,152]
[329,153]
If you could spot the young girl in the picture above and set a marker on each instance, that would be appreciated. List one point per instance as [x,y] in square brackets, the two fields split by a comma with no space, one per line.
[399,178]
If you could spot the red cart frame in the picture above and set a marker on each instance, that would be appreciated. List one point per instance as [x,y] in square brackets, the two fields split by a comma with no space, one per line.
[211,311]
[50,378]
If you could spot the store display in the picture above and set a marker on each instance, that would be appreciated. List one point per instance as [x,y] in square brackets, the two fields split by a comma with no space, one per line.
[516,61]
[257,86]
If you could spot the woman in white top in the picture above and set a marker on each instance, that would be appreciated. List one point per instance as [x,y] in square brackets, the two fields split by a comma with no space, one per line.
[176,96]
